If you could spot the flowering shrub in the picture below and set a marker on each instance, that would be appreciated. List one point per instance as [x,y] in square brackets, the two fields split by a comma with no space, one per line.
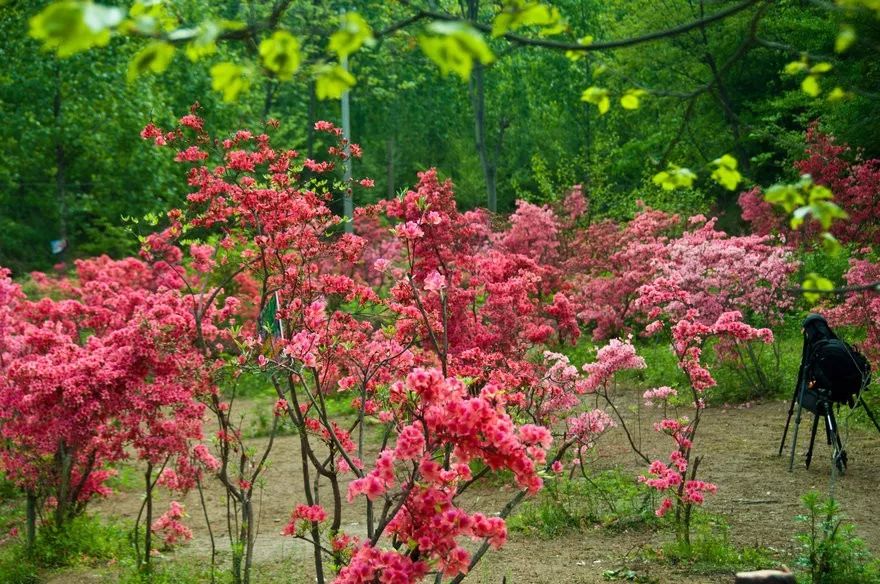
[707,273]
[677,480]
[861,308]
[109,364]
[855,184]
[462,304]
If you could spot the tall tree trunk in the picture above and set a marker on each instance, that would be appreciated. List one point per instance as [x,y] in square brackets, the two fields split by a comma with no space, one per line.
[310,121]
[478,102]
[389,165]
[148,535]
[60,165]
[31,521]
[722,96]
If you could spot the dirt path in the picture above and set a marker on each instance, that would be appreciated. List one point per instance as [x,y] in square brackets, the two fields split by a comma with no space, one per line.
[757,494]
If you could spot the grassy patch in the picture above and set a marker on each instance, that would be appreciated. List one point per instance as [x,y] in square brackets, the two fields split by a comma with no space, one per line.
[830,551]
[710,550]
[611,499]
[85,541]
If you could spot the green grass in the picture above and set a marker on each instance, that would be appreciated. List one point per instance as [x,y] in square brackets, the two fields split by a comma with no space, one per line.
[612,499]
[711,551]
[85,541]
[830,551]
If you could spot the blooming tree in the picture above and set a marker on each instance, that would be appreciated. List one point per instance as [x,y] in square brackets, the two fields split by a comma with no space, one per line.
[677,480]
[440,363]
[105,367]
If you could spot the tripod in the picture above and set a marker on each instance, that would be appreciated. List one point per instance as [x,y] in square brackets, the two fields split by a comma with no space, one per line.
[819,402]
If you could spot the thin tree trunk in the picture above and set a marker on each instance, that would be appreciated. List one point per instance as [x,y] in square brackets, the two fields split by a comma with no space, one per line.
[148,535]
[478,102]
[389,165]
[31,525]
[247,526]
[60,165]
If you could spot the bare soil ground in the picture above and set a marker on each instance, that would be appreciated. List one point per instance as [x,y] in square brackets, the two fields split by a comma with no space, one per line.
[756,493]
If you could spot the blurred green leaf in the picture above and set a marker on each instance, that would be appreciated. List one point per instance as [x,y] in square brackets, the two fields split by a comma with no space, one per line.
[153,58]
[229,79]
[454,46]
[331,81]
[280,54]
[351,36]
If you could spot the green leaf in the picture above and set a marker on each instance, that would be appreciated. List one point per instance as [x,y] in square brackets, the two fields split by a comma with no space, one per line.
[795,67]
[69,27]
[845,38]
[280,54]
[599,97]
[576,55]
[725,172]
[830,245]
[351,36]
[454,46]
[810,85]
[788,197]
[814,281]
[837,94]
[674,177]
[519,13]
[825,212]
[153,58]
[631,100]
[819,68]
[204,40]
[332,81]
[230,79]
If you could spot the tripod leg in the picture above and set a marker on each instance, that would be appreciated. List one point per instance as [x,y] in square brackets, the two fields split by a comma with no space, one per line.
[788,420]
[870,413]
[834,439]
[812,440]
[797,423]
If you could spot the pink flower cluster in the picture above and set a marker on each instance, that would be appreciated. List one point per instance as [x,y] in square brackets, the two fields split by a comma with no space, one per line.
[302,516]
[616,356]
[659,393]
[170,526]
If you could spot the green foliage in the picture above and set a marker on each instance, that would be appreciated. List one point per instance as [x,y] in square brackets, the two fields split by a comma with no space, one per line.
[831,553]
[71,26]
[610,498]
[711,550]
[353,33]
[454,47]
[85,541]
[280,54]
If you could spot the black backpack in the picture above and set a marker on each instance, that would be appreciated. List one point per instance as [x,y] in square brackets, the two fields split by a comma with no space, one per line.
[838,367]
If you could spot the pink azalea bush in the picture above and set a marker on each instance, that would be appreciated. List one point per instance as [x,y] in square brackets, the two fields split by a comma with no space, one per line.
[443,366]
[677,479]
[104,368]
[854,182]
